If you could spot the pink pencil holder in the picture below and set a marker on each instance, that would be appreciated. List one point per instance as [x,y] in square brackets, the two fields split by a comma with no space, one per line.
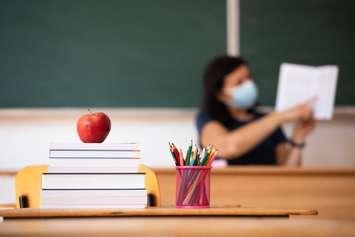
[193,186]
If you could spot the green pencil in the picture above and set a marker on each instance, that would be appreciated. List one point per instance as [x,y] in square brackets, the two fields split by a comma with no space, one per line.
[188,154]
[197,155]
[192,159]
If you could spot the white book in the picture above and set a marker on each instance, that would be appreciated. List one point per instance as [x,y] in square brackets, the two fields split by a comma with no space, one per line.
[93,162]
[135,206]
[92,194]
[94,146]
[59,169]
[93,154]
[93,181]
[93,198]
[299,83]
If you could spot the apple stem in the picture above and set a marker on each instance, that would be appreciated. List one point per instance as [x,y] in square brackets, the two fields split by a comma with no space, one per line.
[90,111]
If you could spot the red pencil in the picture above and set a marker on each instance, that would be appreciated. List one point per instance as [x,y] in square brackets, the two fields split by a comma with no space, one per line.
[173,155]
[176,154]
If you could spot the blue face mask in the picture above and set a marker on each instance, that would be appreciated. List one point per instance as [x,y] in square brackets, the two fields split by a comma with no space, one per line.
[245,95]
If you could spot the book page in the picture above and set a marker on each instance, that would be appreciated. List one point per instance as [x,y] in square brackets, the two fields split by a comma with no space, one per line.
[326,88]
[299,83]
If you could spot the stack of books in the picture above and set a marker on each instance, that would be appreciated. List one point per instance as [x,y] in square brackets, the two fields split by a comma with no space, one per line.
[93,175]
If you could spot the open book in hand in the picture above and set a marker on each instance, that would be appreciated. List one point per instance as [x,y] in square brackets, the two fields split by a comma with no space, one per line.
[300,83]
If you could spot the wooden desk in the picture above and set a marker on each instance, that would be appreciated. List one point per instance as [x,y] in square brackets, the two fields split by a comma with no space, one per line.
[331,191]
[175,226]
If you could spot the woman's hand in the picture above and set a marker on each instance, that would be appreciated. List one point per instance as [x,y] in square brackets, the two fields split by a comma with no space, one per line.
[292,156]
[302,129]
[301,112]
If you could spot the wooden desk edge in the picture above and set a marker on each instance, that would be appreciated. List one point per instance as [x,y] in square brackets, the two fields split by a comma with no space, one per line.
[149,212]
[254,170]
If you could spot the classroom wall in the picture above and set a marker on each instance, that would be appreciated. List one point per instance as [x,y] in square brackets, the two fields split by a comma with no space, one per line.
[25,134]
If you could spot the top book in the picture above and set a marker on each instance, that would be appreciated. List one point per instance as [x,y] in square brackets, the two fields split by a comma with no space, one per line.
[124,146]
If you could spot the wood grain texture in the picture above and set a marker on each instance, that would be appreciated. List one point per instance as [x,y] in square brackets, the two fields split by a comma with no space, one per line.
[149,212]
[177,226]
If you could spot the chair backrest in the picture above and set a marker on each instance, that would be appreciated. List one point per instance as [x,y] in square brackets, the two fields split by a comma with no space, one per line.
[28,184]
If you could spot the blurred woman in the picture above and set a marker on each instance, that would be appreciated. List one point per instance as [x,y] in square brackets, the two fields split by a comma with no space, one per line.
[231,121]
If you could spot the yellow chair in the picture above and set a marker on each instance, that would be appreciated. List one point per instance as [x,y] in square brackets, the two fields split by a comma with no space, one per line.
[28,183]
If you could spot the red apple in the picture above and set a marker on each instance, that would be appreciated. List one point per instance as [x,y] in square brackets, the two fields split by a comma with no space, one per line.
[93,127]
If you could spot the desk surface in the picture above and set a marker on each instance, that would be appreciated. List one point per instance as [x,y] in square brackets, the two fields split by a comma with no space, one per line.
[175,226]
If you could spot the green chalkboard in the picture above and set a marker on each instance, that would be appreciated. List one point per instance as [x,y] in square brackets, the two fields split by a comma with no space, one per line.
[314,32]
[107,52]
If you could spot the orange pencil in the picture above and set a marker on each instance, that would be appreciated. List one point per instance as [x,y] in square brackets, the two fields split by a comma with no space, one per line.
[213,157]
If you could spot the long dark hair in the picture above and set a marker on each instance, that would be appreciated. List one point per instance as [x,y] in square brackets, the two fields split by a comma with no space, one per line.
[213,80]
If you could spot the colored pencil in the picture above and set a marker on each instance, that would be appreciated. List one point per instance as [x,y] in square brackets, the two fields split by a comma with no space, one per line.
[194,155]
